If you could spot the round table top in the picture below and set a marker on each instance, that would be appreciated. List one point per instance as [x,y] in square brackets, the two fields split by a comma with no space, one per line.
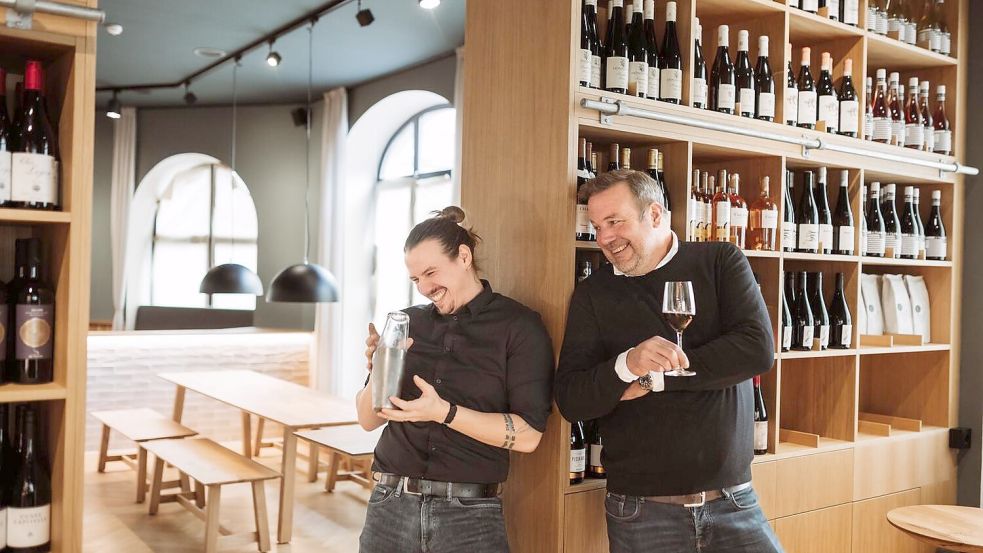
[950,526]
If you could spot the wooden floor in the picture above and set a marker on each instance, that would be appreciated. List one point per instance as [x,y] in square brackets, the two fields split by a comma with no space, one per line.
[113,521]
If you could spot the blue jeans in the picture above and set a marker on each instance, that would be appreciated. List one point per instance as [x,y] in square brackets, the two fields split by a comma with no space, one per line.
[731,524]
[398,522]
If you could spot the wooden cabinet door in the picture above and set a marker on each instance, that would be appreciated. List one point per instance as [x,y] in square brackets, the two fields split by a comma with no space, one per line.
[872,533]
[823,531]
[585,527]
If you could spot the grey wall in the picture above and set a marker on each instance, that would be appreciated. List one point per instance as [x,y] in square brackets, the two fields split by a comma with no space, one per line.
[971,369]
[101,291]
[436,76]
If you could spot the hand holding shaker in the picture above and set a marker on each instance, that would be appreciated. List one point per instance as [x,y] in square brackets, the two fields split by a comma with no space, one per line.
[389,361]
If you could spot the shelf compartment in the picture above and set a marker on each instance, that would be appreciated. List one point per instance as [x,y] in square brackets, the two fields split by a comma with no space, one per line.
[900,423]
[804,26]
[19,393]
[898,56]
[938,280]
[897,350]
[917,389]
[888,262]
[818,354]
[823,392]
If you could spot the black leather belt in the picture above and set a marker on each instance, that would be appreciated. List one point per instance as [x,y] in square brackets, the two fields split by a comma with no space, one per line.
[419,486]
[698,499]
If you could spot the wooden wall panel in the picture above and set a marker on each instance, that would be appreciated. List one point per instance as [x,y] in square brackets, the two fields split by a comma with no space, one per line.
[814,481]
[585,528]
[872,533]
[822,531]
[764,477]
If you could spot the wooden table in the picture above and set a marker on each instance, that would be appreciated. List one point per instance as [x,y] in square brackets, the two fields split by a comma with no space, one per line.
[291,405]
[948,526]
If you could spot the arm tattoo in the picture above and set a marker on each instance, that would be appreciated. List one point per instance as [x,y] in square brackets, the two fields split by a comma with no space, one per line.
[509,432]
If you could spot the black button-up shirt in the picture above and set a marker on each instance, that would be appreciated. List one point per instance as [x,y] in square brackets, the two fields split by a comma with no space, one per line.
[494,356]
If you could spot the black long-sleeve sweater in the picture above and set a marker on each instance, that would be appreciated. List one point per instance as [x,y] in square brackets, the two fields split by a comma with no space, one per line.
[697,434]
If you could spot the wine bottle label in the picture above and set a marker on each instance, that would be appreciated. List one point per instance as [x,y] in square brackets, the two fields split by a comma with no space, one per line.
[862,243]
[671,84]
[595,71]
[875,243]
[584,66]
[892,242]
[721,217]
[807,107]
[909,244]
[882,24]
[845,239]
[882,129]
[851,12]
[894,28]
[929,39]
[786,337]
[769,219]
[5,169]
[849,115]
[806,336]
[834,9]
[792,106]
[595,455]
[898,132]
[829,111]
[760,435]
[911,33]
[935,247]
[583,222]
[846,338]
[638,78]
[811,6]
[943,142]
[766,104]
[746,102]
[653,83]
[914,135]
[700,92]
[821,335]
[871,22]
[945,44]
[29,527]
[789,232]
[578,460]
[738,217]
[928,136]
[617,73]
[868,126]
[34,178]
[826,236]
[34,331]
[726,96]
[808,236]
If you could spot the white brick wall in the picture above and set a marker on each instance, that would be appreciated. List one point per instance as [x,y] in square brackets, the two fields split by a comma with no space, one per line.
[123,368]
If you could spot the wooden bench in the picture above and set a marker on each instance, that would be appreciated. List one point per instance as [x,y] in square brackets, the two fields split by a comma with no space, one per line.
[139,425]
[211,466]
[350,444]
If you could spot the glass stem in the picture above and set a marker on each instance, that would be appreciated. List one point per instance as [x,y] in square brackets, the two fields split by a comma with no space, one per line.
[679,339]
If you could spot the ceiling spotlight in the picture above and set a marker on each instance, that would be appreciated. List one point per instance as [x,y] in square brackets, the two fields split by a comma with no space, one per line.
[114,29]
[273,59]
[428,4]
[364,17]
[114,109]
[189,97]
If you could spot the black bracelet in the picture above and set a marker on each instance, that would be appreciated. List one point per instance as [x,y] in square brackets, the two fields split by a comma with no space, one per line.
[450,414]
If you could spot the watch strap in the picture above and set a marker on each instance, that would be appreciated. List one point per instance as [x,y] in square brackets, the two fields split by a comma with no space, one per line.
[451,413]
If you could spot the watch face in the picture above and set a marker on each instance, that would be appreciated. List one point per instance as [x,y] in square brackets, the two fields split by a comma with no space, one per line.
[645,382]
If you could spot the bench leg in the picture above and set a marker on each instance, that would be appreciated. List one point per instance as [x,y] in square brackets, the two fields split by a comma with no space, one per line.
[185,482]
[199,495]
[262,520]
[141,473]
[156,484]
[288,468]
[260,422]
[332,471]
[211,518]
[247,435]
[312,461]
[103,448]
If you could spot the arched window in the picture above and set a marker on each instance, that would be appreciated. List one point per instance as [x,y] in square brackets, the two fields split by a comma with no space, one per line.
[414,179]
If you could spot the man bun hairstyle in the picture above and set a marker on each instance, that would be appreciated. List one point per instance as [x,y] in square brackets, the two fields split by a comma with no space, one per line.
[445,227]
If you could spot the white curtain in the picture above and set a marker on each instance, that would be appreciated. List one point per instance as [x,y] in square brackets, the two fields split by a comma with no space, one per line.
[124,176]
[325,370]
[459,112]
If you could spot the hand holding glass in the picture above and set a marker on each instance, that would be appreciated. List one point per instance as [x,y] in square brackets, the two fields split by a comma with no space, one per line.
[679,308]
[389,361]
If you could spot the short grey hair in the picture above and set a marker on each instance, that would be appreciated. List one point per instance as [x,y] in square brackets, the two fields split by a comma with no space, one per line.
[642,186]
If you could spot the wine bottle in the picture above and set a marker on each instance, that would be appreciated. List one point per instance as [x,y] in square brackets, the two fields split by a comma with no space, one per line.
[875,223]
[929,34]
[707,200]
[13,288]
[843,218]
[670,60]
[840,321]
[850,12]
[832,9]
[791,91]
[909,228]
[654,157]
[584,270]
[896,24]
[935,239]
[638,56]
[892,223]
[786,330]
[34,166]
[652,46]
[578,453]
[722,79]
[613,157]
[597,48]
[807,216]
[583,222]
[869,111]
[626,158]
[6,468]
[760,419]
[870,24]
[628,11]
[916,208]
[692,209]
[721,212]
[803,323]
[928,133]
[586,53]
[825,217]
[738,213]
[881,111]
[894,102]
[29,497]
[829,104]
[591,161]
[862,241]
[945,37]
[6,149]
[911,29]
[764,84]
[744,74]
[849,108]
[616,53]
[808,111]
[667,201]
[34,313]
[789,228]
[882,19]
[700,82]
[820,334]
[811,6]
[763,224]
[596,447]
[943,132]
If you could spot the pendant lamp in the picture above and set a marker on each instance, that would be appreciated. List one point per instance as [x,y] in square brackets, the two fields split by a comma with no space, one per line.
[232,278]
[305,282]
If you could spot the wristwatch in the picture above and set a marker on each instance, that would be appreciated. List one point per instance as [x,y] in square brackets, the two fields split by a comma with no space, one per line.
[645,382]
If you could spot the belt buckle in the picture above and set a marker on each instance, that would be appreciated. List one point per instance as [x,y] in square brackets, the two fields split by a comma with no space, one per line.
[702,502]
[406,490]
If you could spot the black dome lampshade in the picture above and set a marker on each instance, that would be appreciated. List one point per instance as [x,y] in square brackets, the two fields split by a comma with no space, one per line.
[303,283]
[231,278]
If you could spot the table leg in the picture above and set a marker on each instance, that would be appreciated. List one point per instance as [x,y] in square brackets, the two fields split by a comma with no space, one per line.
[312,461]
[247,435]
[179,403]
[141,473]
[289,470]
[260,423]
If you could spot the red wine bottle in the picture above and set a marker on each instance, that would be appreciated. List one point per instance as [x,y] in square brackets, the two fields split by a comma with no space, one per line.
[700,77]
[935,239]
[616,54]
[791,91]
[874,244]
[594,449]
[849,102]
[825,216]
[828,102]
[583,232]
[843,218]
[807,216]
[840,321]
[820,334]
[29,497]
[6,468]
[723,81]
[808,110]
[764,84]
[786,329]
[670,60]
[638,57]
[578,453]
[6,144]
[34,312]
[745,76]
[909,228]
[34,167]
[803,323]
[892,223]
[760,419]
[652,45]
[789,227]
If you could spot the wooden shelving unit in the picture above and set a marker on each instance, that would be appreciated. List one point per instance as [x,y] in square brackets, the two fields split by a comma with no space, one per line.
[66,48]
[823,484]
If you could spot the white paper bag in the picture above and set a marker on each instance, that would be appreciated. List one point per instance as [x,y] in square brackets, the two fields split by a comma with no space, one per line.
[921,314]
[870,284]
[896,305]
[861,321]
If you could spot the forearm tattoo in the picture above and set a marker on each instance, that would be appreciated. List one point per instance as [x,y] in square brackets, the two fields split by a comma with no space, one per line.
[509,432]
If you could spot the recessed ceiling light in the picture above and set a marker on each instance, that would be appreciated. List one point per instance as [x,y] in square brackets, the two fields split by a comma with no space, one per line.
[429,4]
[206,52]
[114,29]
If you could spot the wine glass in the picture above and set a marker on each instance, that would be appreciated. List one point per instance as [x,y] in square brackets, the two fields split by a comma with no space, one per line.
[679,308]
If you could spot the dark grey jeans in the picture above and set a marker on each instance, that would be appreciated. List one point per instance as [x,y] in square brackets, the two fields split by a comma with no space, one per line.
[398,522]
[732,524]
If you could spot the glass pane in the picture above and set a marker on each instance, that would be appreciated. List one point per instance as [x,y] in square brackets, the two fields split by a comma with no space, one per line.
[431,195]
[184,209]
[437,130]
[177,272]
[233,219]
[397,161]
[392,224]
